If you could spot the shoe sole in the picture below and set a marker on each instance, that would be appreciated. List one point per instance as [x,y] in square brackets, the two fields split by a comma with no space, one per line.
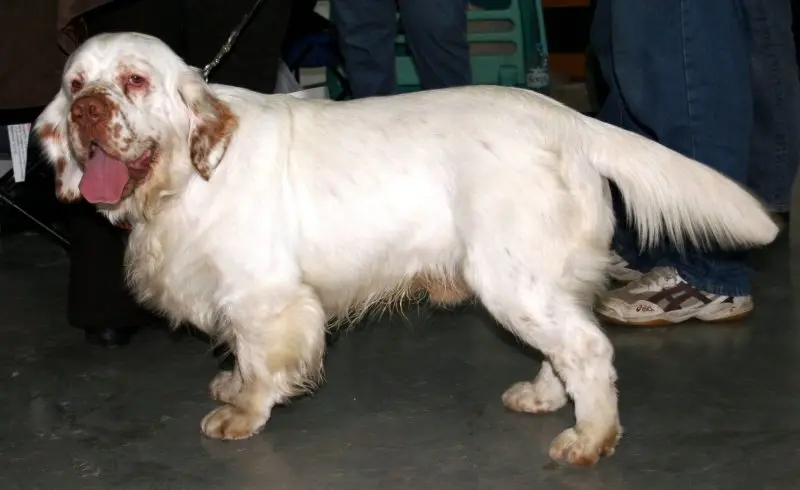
[663,322]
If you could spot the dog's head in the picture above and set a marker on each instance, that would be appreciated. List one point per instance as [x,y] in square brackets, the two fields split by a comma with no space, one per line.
[130,122]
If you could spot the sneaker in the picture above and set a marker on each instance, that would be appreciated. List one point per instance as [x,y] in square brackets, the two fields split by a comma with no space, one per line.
[663,297]
[619,271]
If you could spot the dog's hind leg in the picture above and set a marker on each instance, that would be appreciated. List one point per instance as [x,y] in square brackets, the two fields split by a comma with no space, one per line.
[279,351]
[544,303]
[544,394]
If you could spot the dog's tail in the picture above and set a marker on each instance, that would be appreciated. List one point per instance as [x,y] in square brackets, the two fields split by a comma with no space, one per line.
[665,192]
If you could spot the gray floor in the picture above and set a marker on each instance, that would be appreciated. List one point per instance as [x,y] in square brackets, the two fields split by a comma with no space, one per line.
[411,403]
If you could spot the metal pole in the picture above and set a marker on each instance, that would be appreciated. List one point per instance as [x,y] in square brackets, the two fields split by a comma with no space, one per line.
[43,226]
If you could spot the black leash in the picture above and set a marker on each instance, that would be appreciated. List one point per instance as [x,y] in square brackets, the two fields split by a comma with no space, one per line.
[231,40]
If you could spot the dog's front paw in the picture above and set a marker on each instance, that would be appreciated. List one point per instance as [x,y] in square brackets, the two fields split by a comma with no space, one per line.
[231,423]
[580,448]
[225,386]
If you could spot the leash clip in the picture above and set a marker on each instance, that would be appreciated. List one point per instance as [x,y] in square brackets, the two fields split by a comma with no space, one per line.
[231,40]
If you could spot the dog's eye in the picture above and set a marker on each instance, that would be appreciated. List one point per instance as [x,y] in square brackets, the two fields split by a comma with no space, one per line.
[136,80]
[134,83]
[76,85]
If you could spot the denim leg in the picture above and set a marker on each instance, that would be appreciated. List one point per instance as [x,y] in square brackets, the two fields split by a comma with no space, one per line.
[681,71]
[724,273]
[437,35]
[366,30]
[775,152]
[614,111]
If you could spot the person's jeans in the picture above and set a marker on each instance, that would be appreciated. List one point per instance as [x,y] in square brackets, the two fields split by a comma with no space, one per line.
[775,152]
[678,72]
[437,35]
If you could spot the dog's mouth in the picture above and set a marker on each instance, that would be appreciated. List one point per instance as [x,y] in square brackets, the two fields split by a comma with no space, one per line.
[106,177]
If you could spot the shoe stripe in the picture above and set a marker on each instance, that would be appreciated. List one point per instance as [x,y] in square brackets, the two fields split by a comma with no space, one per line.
[678,295]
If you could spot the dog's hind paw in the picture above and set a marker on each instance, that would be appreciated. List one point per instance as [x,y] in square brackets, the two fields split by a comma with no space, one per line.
[231,423]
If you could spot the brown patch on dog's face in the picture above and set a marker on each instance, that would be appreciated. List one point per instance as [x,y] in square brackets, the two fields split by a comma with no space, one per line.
[95,118]
[98,124]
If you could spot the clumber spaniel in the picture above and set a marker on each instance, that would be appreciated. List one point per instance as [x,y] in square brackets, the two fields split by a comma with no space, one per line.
[260,218]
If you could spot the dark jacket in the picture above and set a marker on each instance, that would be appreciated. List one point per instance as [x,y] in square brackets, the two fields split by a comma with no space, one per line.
[37,35]
[41,33]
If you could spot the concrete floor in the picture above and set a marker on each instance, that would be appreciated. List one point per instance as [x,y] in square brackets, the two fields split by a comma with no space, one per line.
[410,404]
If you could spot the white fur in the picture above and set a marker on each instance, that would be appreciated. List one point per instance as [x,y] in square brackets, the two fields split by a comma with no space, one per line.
[319,209]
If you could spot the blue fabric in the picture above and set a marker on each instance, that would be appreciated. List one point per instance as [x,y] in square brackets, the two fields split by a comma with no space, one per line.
[775,152]
[437,35]
[312,51]
[684,73]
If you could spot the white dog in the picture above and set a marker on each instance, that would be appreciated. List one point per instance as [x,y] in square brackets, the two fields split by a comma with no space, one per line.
[260,218]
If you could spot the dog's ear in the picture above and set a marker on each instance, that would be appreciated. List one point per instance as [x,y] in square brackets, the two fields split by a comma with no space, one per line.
[212,124]
[51,131]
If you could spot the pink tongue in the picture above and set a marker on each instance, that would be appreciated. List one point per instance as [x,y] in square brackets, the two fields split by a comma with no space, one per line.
[104,179]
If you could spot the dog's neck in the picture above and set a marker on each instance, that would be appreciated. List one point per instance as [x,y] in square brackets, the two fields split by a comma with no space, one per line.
[166,181]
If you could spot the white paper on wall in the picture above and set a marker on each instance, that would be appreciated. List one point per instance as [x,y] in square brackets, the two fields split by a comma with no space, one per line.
[18,135]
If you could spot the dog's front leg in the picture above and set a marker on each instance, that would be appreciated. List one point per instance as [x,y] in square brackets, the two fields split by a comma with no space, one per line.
[279,353]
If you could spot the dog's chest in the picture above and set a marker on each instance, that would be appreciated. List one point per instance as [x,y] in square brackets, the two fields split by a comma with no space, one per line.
[175,276]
